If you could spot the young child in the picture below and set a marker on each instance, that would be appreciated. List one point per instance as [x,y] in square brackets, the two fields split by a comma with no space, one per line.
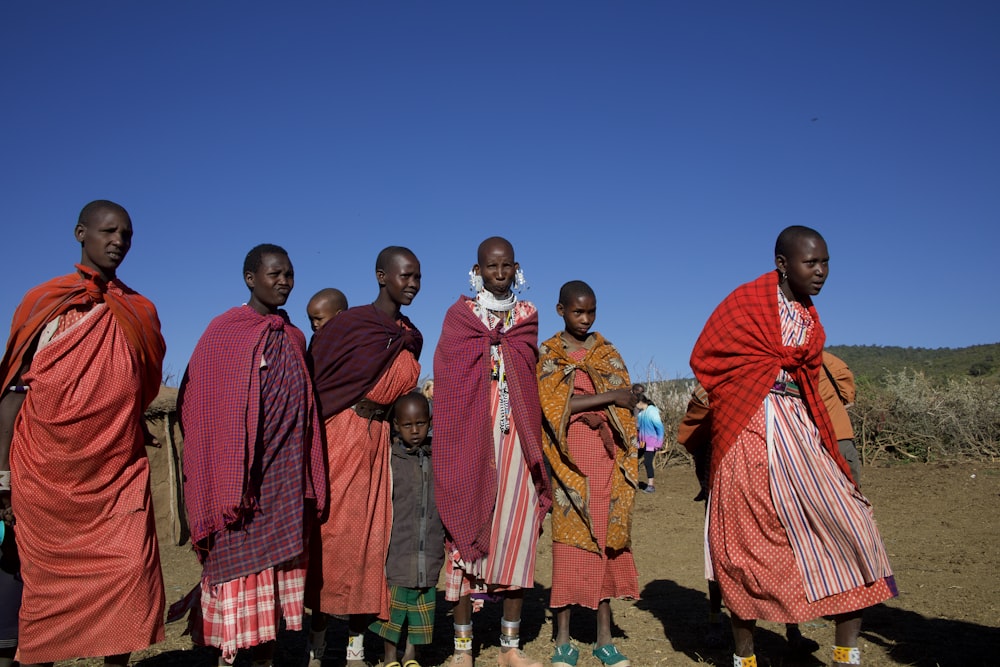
[325,305]
[589,439]
[650,426]
[489,472]
[416,545]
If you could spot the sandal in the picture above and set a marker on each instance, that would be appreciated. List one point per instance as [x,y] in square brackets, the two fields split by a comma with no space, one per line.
[392,664]
[566,655]
[409,663]
[610,655]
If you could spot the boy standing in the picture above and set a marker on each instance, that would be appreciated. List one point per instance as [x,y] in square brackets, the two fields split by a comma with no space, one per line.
[416,545]
[589,439]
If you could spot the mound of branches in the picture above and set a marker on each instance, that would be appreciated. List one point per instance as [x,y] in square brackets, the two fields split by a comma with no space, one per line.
[909,417]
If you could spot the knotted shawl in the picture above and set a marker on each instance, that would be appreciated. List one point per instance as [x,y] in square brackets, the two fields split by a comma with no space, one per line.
[465,475]
[135,314]
[219,403]
[354,350]
[571,523]
[737,359]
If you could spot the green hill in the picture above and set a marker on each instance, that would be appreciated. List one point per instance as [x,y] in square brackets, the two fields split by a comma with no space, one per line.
[875,362]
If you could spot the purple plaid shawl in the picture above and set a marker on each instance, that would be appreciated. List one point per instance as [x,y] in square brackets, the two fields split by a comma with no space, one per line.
[354,350]
[219,404]
[465,474]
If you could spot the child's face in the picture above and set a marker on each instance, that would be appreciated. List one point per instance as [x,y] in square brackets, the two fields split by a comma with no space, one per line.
[497,267]
[412,421]
[578,315]
[320,312]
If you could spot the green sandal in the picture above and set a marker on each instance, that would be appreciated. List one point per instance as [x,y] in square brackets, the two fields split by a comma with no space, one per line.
[609,655]
[566,655]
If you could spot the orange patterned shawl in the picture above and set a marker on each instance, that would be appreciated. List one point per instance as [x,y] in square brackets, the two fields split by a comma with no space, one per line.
[570,513]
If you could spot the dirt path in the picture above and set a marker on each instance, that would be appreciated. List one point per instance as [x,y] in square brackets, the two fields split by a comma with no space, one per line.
[941,525]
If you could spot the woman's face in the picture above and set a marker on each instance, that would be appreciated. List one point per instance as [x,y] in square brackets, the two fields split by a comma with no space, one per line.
[497,267]
[270,284]
[806,266]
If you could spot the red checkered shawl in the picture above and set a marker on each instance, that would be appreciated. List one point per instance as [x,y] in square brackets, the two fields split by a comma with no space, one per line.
[354,350]
[737,359]
[134,312]
[465,475]
[219,404]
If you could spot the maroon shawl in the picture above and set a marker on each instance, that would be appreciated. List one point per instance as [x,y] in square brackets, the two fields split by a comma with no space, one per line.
[465,475]
[353,350]
[737,359]
[219,405]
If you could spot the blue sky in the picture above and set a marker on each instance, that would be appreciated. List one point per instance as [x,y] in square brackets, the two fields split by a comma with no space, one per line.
[653,149]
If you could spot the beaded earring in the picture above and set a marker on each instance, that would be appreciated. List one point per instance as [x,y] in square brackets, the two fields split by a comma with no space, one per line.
[475,281]
[520,284]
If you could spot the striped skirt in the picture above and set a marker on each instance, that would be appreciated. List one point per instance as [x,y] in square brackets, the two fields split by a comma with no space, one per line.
[790,537]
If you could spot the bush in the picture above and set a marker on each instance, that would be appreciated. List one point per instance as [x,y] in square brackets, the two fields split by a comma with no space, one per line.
[910,417]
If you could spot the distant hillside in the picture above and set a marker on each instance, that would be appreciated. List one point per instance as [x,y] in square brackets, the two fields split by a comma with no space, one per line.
[876,361]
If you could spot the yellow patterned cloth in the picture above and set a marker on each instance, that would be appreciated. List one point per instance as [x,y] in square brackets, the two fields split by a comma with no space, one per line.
[570,515]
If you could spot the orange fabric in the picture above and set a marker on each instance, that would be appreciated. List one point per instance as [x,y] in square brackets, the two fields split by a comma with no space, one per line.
[694,431]
[135,313]
[571,521]
[349,548]
[80,491]
[837,396]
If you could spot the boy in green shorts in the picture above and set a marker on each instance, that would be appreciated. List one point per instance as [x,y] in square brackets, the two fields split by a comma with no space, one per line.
[416,545]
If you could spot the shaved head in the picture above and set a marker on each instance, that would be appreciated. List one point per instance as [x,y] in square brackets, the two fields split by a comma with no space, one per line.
[492,243]
[385,258]
[89,212]
[574,289]
[330,297]
[790,236]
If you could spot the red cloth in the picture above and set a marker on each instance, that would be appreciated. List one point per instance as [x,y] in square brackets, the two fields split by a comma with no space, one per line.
[354,350]
[219,404]
[581,576]
[465,475]
[80,491]
[737,359]
[350,546]
[135,313]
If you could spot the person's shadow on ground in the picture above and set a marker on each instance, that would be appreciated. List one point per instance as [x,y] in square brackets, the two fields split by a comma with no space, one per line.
[915,640]
[684,615]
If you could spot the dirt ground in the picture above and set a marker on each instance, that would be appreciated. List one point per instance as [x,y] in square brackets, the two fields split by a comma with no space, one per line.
[941,525]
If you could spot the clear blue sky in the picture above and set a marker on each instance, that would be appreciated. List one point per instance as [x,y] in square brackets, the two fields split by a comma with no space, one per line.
[653,149]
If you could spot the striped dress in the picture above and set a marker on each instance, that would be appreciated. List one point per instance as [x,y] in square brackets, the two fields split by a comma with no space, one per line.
[790,538]
[510,562]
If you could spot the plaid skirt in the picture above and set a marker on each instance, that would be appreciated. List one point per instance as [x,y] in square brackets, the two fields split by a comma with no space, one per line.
[412,608]
[247,611]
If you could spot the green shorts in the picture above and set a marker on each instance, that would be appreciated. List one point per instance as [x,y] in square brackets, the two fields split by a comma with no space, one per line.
[412,608]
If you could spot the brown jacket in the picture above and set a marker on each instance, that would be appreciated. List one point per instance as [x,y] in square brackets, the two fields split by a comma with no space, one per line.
[836,388]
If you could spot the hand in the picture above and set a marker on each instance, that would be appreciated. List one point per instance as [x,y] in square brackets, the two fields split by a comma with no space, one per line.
[148,438]
[624,398]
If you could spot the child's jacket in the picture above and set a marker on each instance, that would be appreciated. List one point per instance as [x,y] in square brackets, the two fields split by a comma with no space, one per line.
[416,546]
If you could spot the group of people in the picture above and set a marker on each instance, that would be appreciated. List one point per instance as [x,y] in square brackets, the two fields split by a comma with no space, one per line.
[311,481]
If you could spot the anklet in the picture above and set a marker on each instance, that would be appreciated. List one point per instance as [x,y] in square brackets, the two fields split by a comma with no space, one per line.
[510,633]
[847,655]
[356,647]
[749,661]
[463,637]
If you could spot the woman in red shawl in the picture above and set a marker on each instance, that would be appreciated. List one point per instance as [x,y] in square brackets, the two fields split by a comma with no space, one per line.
[254,473]
[363,360]
[790,537]
[82,364]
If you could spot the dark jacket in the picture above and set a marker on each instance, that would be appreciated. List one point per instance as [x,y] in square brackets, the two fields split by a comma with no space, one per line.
[416,547]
